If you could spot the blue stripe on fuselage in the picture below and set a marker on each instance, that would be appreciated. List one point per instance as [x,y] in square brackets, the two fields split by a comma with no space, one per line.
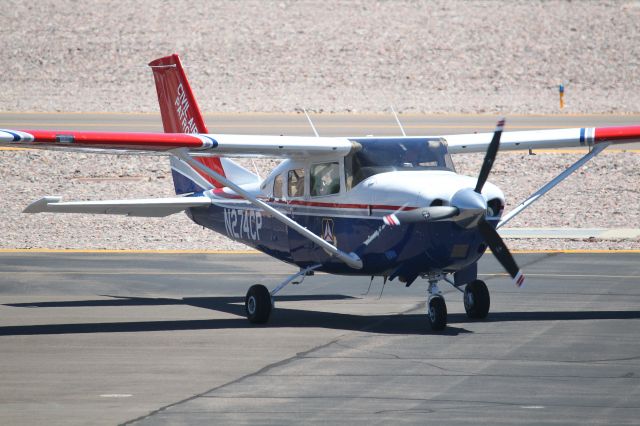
[425,246]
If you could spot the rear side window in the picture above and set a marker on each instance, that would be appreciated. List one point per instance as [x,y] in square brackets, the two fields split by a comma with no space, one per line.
[295,187]
[325,179]
[277,187]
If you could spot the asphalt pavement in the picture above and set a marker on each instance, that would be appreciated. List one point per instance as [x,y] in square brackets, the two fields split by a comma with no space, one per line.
[103,338]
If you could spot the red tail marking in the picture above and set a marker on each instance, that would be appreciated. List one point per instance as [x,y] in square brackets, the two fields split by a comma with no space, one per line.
[178,106]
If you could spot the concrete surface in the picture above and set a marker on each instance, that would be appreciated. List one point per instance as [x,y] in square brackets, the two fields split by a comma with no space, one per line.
[97,338]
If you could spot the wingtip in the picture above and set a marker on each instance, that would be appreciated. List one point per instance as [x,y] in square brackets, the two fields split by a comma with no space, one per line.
[40,205]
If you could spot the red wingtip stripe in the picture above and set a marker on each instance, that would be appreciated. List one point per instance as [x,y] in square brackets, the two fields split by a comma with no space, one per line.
[622,133]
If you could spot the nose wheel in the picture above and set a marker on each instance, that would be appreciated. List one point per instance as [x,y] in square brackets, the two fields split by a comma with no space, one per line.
[436,307]
[437,313]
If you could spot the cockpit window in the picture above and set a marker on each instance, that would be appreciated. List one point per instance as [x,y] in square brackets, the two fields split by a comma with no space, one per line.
[295,187]
[325,179]
[388,155]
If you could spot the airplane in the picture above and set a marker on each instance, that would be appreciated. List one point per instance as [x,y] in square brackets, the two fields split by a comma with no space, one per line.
[391,207]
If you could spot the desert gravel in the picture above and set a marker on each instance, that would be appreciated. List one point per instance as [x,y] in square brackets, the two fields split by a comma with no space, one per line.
[422,56]
[331,56]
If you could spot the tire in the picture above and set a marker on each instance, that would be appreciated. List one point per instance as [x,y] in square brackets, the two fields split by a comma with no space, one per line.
[476,300]
[437,313]
[257,304]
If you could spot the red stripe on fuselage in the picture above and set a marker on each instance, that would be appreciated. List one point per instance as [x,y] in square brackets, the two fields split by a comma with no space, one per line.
[343,206]
[220,193]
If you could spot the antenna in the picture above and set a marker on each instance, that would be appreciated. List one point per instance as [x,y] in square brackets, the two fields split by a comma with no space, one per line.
[311,123]
[398,121]
[369,289]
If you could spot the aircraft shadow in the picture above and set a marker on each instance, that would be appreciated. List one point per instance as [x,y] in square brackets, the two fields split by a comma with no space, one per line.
[282,317]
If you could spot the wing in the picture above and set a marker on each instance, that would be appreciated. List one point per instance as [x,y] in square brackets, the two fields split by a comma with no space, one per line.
[195,144]
[539,139]
[155,207]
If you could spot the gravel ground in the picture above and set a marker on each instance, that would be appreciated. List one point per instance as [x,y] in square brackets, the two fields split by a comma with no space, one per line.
[438,56]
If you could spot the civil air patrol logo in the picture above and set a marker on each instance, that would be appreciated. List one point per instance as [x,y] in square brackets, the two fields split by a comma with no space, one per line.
[327,231]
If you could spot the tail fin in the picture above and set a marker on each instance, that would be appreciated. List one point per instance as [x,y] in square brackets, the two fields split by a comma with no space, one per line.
[181,114]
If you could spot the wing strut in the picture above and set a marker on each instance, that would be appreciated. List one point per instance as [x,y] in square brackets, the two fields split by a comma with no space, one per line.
[562,176]
[351,259]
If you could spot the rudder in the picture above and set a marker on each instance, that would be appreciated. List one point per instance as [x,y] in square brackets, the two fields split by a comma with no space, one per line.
[181,114]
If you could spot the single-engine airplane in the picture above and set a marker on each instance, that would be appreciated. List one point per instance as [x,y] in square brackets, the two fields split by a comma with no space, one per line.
[392,207]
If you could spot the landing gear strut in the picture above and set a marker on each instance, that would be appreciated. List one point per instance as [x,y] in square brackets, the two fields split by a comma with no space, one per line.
[259,303]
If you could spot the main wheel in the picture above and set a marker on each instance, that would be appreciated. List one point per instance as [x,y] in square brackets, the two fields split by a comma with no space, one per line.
[257,304]
[437,313]
[476,299]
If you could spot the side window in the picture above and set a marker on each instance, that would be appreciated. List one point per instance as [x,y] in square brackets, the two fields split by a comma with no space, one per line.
[277,187]
[325,179]
[295,187]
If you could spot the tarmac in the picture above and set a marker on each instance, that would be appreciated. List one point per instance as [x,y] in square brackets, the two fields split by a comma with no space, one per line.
[157,338]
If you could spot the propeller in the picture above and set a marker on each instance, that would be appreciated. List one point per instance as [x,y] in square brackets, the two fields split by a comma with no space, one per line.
[490,156]
[490,235]
[501,252]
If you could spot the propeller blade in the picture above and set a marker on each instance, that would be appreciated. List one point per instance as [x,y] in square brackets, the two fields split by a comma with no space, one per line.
[426,214]
[490,156]
[501,252]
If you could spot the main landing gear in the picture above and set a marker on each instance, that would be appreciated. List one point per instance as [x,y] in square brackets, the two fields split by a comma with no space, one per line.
[476,302]
[259,302]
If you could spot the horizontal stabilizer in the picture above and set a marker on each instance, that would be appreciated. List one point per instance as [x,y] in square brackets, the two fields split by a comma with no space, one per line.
[150,207]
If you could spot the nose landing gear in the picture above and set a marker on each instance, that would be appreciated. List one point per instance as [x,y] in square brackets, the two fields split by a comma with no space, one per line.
[476,301]
[436,306]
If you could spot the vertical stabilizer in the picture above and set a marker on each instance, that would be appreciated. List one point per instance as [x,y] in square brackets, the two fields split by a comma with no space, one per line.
[181,114]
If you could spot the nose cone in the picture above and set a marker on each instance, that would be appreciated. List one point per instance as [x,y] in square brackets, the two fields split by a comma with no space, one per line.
[472,207]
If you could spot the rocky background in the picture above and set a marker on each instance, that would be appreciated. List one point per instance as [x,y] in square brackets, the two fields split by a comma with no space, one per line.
[421,56]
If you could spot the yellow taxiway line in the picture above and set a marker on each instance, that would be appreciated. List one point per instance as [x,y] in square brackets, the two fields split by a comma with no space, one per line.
[502,274]
[243,252]
[124,251]
[372,114]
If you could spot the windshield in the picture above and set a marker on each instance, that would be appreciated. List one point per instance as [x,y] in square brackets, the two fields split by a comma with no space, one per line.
[388,155]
